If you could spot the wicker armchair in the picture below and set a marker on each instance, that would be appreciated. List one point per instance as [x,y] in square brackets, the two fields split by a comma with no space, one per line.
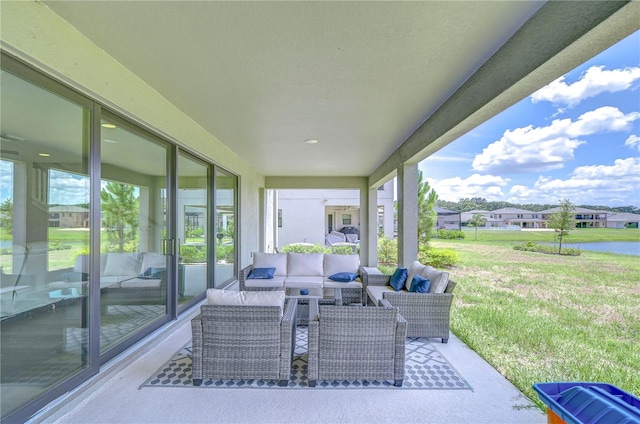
[427,314]
[357,343]
[244,342]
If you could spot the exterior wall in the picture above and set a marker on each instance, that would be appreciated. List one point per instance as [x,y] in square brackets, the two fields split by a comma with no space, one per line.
[305,213]
[59,50]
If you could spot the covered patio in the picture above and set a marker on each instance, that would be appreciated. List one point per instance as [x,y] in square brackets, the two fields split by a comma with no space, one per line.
[235,100]
[116,395]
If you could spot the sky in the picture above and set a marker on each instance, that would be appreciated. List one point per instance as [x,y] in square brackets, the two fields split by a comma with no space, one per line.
[577,138]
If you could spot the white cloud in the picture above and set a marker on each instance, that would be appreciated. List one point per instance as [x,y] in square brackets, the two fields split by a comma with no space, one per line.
[594,184]
[542,149]
[476,185]
[633,141]
[594,81]
[68,189]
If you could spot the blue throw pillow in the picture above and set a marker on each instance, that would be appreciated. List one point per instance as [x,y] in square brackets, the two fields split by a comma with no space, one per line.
[419,284]
[262,273]
[344,277]
[152,273]
[398,278]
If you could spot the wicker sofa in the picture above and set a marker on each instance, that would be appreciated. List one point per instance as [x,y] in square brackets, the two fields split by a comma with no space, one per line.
[351,343]
[427,314]
[310,269]
[244,341]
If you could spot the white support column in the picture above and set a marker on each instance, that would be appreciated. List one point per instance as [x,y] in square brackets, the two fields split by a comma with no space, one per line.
[369,228]
[407,214]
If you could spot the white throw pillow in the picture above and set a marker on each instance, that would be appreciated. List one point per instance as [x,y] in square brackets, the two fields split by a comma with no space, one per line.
[415,268]
[439,279]
[271,260]
[122,264]
[334,264]
[153,260]
[307,264]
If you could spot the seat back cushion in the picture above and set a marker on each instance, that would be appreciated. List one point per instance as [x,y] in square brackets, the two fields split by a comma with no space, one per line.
[439,279]
[271,260]
[122,264]
[414,269]
[305,264]
[245,298]
[334,264]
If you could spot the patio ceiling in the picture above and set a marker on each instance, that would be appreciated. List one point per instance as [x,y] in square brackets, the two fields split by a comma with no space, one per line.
[263,77]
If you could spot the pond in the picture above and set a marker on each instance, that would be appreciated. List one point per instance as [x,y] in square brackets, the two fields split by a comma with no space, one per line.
[618,247]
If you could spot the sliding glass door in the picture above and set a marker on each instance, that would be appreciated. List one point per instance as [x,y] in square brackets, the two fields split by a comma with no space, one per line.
[133,279]
[44,232]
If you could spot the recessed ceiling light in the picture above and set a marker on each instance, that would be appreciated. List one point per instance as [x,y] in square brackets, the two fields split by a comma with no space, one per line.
[311,141]
[44,155]
[108,125]
[108,140]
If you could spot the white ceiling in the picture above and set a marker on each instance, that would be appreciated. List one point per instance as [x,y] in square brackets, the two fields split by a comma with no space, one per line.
[265,76]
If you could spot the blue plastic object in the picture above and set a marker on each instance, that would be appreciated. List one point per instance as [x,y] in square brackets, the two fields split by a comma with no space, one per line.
[590,403]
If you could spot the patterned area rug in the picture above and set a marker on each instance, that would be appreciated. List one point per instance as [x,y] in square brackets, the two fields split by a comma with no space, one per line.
[425,369]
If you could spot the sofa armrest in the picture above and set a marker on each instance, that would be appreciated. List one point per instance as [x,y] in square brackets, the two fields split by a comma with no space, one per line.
[244,274]
[196,335]
[372,276]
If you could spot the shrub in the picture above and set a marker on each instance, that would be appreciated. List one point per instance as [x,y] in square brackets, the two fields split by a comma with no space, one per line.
[530,246]
[304,248]
[438,258]
[451,234]
[342,250]
[387,252]
[193,254]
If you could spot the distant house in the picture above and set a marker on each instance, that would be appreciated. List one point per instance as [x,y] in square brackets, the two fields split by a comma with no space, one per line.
[491,221]
[448,220]
[521,218]
[622,220]
[585,218]
[68,216]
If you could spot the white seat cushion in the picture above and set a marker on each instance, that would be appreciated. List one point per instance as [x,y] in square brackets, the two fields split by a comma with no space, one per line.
[246,298]
[141,283]
[375,292]
[304,282]
[276,281]
[330,284]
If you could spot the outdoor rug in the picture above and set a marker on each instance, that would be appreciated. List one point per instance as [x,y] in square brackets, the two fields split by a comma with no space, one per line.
[425,369]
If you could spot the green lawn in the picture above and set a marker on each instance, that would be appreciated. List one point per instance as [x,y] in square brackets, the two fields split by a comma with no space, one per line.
[578,235]
[537,317]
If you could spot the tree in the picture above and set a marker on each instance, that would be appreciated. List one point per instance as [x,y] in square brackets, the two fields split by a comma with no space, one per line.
[427,216]
[477,220]
[563,220]
[121,210]
[6,215]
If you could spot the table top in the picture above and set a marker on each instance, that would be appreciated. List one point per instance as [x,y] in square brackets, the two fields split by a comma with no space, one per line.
[12,288]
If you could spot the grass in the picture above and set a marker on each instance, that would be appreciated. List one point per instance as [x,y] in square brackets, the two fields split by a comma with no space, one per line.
[538,317]
[579,235]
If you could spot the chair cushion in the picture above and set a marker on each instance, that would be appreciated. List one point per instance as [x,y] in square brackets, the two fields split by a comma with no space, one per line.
[343,277]
[245,298]
[299,281]
[275,282]
[419,284]
[415,268]
[439,279]
[261,273]
[306,264]
[271,260]
[398,278]
[334,264]
[330,284]
[375,292]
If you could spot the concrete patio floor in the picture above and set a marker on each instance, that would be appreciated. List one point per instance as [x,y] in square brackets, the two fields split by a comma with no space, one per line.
[114,396]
